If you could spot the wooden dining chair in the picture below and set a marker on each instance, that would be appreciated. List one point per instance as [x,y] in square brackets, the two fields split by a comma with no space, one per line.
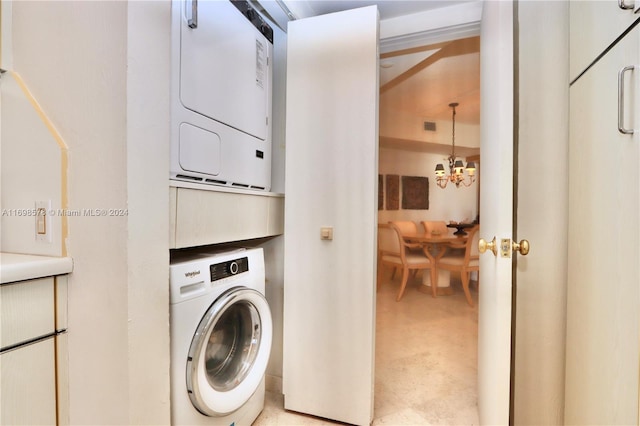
[402,256]
[440,226]
[387,243]
[464,264]
[435,227]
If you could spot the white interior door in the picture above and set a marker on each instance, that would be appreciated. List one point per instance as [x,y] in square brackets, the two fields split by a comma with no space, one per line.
[496,207]
[542,207]
[331,183]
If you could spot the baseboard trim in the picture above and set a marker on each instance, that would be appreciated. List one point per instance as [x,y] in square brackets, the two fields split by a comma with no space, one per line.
[273,383]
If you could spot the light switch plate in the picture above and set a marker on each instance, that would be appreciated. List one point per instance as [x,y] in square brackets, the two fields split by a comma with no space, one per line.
[326,233]
[43,221]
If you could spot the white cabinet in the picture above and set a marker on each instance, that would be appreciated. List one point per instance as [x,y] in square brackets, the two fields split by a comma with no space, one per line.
[33,356]
[28,386]
[603,294]
[27,357]
[593,26]
[202,217]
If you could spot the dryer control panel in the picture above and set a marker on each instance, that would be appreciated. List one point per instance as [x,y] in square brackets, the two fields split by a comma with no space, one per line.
[250,13]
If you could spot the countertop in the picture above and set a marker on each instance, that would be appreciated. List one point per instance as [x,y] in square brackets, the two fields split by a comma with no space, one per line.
[19,267]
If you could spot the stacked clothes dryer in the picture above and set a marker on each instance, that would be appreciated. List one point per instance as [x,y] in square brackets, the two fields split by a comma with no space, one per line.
[221,90]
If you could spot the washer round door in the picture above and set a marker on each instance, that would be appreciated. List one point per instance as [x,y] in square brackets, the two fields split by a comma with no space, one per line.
[229,353]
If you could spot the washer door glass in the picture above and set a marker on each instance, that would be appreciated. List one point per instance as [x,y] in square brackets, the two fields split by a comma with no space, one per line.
[229,352]
[233,346]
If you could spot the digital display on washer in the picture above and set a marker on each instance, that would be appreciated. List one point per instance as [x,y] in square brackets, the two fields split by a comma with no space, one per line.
[229,268]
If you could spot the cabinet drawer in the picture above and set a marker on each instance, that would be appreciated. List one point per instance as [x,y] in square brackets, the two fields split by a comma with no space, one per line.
[26,311]
[28,385]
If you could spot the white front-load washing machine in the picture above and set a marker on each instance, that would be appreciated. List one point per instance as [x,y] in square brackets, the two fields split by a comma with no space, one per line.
[221,331]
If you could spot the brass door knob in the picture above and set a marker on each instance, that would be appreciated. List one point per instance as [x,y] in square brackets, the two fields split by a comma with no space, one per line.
[483,246]
[522,247]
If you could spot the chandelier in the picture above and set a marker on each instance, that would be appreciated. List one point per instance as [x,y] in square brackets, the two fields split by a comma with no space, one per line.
[456,167]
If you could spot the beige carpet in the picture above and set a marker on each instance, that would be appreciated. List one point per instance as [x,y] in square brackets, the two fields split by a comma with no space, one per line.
[426,362]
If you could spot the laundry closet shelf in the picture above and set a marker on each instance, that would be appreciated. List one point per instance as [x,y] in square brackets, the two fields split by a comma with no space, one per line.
[204,214]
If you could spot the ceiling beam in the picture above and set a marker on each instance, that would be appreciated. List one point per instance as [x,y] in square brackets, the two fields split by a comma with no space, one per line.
[414,50]
[454,48]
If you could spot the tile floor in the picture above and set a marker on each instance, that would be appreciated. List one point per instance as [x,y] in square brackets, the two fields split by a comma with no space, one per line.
[426,362]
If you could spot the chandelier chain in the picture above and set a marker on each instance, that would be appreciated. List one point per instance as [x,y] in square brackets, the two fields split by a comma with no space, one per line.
[453,134]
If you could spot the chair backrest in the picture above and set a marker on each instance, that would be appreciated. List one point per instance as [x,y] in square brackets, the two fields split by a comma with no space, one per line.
[401,228]
[435,227]
[471,249]
[405,226]
[388,239]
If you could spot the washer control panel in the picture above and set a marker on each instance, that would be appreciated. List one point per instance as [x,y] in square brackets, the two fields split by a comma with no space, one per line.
[229,268]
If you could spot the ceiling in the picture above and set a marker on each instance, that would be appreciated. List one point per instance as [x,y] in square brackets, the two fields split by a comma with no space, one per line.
[424,83]
[421,81]
[388,8]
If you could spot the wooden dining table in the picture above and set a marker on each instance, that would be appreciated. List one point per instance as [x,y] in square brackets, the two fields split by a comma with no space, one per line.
[434,247]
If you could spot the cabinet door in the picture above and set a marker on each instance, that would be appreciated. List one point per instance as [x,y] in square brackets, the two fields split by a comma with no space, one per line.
[604,273]
[28,385]
[594,25]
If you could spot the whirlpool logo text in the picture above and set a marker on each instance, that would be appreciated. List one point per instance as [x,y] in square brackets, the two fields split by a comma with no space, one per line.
[191,274]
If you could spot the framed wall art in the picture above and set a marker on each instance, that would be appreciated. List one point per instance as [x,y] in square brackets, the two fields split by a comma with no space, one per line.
[415,193]
[393,192]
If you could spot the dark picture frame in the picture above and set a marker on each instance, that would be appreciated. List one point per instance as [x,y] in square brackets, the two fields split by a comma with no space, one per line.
[393,192]
[415,193]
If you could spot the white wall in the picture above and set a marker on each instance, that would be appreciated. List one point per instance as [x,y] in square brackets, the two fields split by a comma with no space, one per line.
[148,200]
[274,249]
[100,70]
[394,124]
[446,204]
[34,168]
[72,56]
[6,37]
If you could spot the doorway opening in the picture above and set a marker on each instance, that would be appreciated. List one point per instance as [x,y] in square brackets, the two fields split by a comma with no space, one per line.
[426,347]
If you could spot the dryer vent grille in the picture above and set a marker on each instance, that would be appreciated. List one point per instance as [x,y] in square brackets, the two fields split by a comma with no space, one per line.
[219,182]
[185,177]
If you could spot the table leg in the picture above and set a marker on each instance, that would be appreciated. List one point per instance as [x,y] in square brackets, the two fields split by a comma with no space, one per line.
[443,283]
[438,282]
